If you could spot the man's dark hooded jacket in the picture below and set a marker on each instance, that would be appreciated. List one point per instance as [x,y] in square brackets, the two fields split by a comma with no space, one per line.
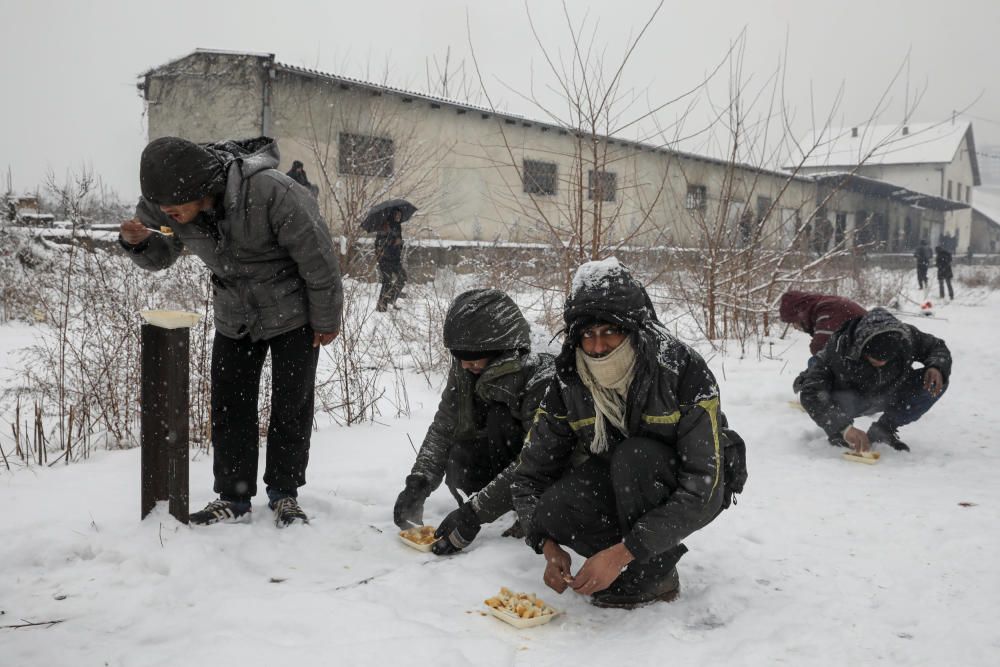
[819,315]
[484,321]
[274,266]
[673,398]
[841,366]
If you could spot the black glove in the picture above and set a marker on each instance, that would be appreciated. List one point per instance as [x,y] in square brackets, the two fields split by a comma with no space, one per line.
[456,531]
[409,509]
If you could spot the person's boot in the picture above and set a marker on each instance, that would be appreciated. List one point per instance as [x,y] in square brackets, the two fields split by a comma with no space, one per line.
[222,511]
[882,432]
[838,441]
[287,511]
[640,584]
[514,531]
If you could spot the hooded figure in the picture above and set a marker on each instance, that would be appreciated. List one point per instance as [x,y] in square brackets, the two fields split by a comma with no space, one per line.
[818,315]
[629,453]
[276,288]
[866,368]
[494,387]
[942,262]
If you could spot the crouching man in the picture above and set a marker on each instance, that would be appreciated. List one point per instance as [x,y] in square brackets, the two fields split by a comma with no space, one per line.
[494,387]
[818,315]
[867,368]
[628,454]
[276,286]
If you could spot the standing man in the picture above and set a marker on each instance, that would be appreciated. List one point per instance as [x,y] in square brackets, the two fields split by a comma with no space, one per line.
[818,315]
[494,387]
[942,262]
[298,174]
[389,257]
[923,254]
[276,286]
[867,368]
[629,454]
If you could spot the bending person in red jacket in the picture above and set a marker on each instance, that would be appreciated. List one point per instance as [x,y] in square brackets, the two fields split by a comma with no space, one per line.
[819,315]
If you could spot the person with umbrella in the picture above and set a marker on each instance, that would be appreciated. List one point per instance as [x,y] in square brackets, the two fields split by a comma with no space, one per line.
[386,221]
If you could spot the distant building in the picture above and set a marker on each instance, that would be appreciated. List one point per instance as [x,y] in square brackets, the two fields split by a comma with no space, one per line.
[499,176]
[937,159]
[986,219]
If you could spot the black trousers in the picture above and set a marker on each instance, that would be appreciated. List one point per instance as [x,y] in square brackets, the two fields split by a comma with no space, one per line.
[472,464]
[596,503]
[392,277]
[922,275]
[236,368]
[941,284]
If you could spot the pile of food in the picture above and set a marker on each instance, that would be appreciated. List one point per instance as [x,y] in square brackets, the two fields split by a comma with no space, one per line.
[522,605]
[420,535]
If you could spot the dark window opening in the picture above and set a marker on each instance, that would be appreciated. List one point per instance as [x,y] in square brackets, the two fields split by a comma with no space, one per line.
[539,178]
[364,155]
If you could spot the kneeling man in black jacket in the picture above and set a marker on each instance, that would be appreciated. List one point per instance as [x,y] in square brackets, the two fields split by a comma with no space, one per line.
[628,454]
[867,368]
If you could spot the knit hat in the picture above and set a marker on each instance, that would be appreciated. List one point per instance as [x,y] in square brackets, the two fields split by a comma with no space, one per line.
[884,347]
[177,171]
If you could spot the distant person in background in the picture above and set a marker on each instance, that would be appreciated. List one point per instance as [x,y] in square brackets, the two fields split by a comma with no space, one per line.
[942,261]
[389,258]
[298,174]
[923,254]
[818,315]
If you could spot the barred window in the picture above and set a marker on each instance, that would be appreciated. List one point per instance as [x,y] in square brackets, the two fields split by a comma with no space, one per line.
[364,155]
[539,178]
[763,206]
[602,185]
[697,196]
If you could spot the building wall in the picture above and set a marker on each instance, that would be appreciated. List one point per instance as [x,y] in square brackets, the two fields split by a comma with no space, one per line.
[456,163]
[206,97]
[985,234]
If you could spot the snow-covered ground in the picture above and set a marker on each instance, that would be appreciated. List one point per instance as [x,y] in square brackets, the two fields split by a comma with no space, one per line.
[823,562]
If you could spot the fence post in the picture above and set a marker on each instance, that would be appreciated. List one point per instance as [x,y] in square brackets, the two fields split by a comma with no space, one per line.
[164,408]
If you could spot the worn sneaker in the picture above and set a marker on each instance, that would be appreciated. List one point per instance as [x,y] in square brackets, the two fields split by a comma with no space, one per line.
[287,511]
[222,511]
[879,432]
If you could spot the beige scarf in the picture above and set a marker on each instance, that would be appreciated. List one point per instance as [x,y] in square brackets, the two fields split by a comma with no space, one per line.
[608,379]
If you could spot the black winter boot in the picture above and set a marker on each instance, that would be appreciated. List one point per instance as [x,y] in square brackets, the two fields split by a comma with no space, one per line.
[881,432]
[838,441]
[643,583]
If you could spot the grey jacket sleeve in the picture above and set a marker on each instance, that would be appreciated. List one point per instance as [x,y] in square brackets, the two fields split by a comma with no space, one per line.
[495,499]
[301,230]
[433,455]
[700,480]
[158,251]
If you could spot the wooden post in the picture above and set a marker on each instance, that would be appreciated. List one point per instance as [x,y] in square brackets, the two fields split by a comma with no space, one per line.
[164,404]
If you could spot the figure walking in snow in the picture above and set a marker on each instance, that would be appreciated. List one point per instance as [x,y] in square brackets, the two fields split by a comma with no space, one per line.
[389,259]
[942,262]
[629,453]
[867,368]
[276,286]
[923,254]
[818,315]
[494,386]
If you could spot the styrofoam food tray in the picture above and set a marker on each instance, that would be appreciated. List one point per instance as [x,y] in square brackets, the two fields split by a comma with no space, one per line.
[518,622]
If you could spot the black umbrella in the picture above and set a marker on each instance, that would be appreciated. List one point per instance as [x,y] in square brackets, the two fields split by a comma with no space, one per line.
[384,212]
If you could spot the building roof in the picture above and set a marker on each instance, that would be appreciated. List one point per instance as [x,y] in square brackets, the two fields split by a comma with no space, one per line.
[987,203]
[510,118]
[872,186]
[913,143]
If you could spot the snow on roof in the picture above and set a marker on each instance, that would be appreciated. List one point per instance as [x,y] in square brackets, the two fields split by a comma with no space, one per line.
[591,274]
[915,143]
[986,200]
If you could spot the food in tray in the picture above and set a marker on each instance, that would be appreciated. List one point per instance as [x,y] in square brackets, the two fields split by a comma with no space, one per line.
[522,605]
[869,457]
[420,535]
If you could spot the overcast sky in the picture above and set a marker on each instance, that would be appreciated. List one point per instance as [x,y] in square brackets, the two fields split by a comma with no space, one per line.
[69,69]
